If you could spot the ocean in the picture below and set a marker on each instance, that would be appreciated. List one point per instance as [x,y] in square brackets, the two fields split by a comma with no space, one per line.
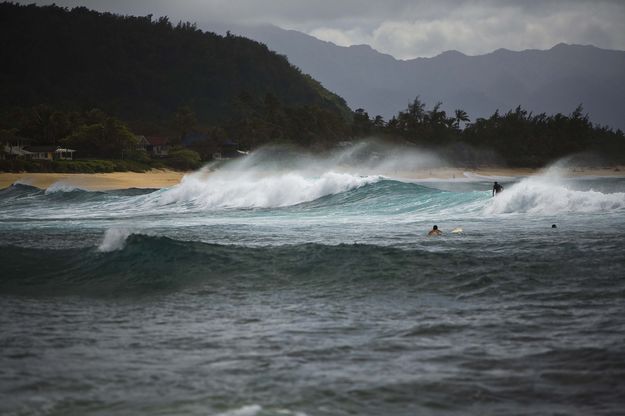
[300,285]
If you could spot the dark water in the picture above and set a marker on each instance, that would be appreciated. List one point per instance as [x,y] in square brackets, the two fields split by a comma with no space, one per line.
[292,295]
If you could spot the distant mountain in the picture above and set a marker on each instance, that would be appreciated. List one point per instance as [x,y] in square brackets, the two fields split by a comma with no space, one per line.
[551,81]
[137,68]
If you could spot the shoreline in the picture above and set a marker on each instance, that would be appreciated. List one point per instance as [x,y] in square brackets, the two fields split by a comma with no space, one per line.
[155,178]
[163,178]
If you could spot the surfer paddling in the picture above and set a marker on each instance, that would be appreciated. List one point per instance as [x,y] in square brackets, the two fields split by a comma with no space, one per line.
[497,188]
[435,231]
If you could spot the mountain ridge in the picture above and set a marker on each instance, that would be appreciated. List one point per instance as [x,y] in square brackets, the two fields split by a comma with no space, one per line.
[551,81]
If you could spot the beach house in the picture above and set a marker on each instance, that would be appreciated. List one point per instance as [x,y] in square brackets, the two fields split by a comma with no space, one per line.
[157,146]
[50,152]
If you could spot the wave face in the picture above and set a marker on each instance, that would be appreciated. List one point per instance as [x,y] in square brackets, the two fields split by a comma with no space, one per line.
[135,264]
[310,287]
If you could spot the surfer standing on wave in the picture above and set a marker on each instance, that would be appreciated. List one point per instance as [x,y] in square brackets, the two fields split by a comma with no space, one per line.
[435,231]
[497,188]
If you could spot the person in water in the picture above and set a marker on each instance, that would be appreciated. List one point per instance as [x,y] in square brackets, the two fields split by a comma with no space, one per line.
[497,188]
[435,231]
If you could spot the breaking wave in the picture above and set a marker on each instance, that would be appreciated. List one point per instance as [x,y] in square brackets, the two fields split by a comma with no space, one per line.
[546,196]
[114,239]
[62,187]
[258,190]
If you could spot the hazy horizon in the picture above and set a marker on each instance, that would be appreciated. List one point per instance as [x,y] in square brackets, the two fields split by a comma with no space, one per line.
[404,29]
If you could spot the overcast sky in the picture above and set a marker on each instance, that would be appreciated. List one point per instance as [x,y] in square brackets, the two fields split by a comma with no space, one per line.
[405,28]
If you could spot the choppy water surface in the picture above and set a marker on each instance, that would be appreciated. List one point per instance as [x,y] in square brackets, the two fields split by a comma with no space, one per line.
[316,293]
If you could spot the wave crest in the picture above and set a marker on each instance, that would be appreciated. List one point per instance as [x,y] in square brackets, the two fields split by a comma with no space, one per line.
[541,195]
[224,190]
[62,187]
[114,239]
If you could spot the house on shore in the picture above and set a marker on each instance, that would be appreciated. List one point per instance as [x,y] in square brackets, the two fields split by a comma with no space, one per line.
[142,143]
[50,152]
[157,145]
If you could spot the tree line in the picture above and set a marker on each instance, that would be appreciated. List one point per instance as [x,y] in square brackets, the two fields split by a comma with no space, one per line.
[518,137]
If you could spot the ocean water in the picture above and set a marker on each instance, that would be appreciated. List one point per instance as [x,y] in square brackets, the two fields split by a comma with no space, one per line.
[311,288]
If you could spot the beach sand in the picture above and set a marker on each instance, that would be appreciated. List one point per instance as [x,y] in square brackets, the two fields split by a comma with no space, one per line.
[96,181]
[166,178]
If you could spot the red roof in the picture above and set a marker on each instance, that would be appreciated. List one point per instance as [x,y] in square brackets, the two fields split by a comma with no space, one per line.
[157,140]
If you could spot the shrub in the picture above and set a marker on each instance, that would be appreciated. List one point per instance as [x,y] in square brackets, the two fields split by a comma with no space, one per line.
[183,159]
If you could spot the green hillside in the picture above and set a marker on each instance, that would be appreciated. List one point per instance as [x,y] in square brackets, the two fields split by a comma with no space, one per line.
[141,70]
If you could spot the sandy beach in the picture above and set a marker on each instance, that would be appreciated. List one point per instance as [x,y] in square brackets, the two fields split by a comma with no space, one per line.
[96,181]
[166,178]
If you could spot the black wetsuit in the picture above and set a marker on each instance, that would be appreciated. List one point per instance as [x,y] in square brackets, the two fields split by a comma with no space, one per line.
[497,188]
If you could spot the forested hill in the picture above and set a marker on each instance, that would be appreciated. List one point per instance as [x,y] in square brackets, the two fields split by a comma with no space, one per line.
[138,68]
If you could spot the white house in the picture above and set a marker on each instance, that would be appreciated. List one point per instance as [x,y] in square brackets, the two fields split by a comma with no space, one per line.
[50,152]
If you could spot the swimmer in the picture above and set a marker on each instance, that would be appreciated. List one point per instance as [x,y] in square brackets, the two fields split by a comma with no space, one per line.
[435,231]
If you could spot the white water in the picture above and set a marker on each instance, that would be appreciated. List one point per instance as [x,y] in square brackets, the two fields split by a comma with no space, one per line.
[114,239]
[277,178]
[62,186]
[548,194]
[257,190]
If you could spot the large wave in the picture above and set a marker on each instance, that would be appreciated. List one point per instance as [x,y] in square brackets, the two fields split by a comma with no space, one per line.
[258,190]
[547,195]
[277,177]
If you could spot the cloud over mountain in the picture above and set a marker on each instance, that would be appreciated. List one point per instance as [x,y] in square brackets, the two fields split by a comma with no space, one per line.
[407,28]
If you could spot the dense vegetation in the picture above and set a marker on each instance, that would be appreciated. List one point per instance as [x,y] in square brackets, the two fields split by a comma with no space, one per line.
[140,70]
[95,81]
[78,166]
[516,138]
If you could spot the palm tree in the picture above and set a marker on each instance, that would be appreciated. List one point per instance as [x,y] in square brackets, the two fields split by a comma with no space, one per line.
[436,116]
[416,110]
[461,116]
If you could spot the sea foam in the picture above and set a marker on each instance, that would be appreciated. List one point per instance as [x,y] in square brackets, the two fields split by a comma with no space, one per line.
[548,195]
[61,186]
[258,190]
[255,409]
[277,176]
[114,239]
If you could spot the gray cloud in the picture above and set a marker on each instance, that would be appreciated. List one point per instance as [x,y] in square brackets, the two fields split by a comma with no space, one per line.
[407,28]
